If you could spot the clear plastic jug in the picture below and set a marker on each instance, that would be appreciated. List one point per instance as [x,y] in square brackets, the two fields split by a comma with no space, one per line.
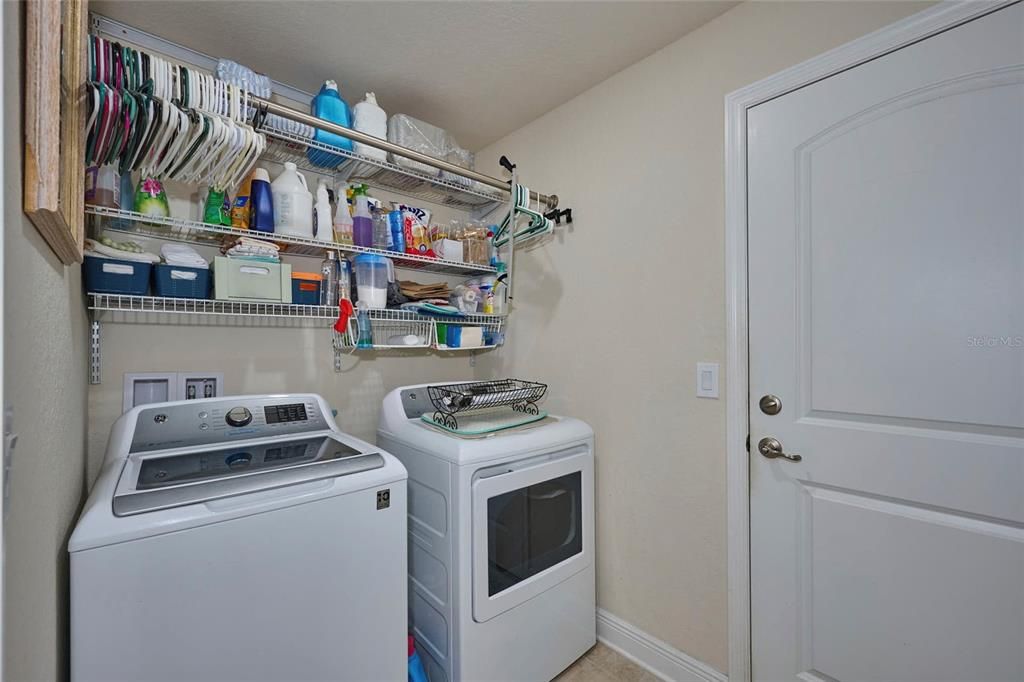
[373,273]
[293,203]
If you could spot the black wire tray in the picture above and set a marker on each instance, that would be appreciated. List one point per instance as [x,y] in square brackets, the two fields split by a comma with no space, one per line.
[451,399]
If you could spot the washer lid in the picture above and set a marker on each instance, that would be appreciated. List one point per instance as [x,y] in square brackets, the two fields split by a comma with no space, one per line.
[151,482]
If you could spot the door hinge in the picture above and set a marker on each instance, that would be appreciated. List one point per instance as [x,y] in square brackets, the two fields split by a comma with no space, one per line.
[10,440]
[748,442]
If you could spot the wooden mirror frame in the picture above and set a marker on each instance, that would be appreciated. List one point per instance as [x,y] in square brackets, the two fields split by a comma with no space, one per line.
[55,66]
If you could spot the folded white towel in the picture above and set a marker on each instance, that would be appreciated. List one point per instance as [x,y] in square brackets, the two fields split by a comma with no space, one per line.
[182,256]
[94,248]
[243,250]
[258,243]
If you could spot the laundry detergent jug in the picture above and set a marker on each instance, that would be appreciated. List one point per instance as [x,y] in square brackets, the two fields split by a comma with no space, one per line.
[329,106]
[369,118]
[293,203]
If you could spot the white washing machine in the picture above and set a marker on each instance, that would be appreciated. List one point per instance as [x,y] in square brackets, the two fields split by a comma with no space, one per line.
[240,538]
[501,543]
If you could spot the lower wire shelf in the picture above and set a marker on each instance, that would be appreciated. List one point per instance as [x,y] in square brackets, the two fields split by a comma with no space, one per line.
[390,328]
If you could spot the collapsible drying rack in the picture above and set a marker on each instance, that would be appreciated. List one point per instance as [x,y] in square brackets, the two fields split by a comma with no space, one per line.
[450,400]
[461,188]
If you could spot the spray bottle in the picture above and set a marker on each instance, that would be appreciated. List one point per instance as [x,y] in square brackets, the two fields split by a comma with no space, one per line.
[362,221]
[343,218]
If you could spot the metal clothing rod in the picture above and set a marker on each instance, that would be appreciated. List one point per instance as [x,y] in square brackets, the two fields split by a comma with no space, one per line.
[268,107]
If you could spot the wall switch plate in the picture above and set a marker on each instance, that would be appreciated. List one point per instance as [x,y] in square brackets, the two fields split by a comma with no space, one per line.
[707,379]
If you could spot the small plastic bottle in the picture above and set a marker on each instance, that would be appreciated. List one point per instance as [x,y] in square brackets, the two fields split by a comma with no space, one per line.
[322,214]
[329,283]
[344,278]
[343,221]
[395,223]
[416,671]
[363,324]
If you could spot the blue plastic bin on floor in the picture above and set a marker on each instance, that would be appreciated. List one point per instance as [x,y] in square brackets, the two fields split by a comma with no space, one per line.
[176,281]
[116,276]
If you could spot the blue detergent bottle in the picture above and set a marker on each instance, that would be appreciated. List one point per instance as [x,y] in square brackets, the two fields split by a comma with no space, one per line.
[329,106]
[416,671]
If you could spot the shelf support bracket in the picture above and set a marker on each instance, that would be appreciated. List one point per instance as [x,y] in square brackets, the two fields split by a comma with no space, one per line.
[337,359]
[94,349]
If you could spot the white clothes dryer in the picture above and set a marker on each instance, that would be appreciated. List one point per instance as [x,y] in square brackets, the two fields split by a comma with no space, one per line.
[501,543]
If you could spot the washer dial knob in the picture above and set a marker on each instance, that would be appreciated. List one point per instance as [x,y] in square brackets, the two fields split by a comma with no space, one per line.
[238,416]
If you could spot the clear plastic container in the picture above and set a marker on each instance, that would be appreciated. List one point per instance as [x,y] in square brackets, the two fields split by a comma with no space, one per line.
[381,231]
[476,248]
[373,273]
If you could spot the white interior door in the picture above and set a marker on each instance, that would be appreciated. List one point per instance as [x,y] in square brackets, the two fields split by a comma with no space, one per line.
[886,308]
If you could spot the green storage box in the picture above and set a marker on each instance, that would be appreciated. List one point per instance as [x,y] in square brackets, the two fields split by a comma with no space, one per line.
[236,279]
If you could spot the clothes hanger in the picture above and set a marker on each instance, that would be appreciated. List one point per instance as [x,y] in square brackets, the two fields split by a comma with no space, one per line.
[106,102]
[91,124]
[187,172]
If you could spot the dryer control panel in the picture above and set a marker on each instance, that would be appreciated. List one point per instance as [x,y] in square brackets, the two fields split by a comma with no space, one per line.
[208,422]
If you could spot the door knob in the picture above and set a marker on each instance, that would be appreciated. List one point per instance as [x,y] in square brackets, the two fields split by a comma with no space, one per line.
[772,448]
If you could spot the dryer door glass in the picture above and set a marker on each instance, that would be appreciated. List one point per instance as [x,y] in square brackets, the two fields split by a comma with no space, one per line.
[533,528]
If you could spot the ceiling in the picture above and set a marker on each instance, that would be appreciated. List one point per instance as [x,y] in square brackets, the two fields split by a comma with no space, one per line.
[479,69]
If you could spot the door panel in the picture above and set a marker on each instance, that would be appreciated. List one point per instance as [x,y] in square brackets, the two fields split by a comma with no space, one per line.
[531,529]
[886,262]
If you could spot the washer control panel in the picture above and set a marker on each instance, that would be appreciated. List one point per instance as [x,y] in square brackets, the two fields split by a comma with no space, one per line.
[207,422]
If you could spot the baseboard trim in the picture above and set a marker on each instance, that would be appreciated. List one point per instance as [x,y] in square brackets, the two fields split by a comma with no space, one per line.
[656,656]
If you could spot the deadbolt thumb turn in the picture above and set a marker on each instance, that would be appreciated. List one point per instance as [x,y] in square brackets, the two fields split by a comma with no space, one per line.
[772,448]
[770,404]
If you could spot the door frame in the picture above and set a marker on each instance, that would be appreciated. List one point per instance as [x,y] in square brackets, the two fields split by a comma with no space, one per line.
[912,29]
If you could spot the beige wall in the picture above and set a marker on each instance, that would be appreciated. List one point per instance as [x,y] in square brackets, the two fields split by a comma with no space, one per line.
[615,313]
[45,375]
[260,360]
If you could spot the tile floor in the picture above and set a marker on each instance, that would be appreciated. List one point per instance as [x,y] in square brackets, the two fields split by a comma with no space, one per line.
[603,664]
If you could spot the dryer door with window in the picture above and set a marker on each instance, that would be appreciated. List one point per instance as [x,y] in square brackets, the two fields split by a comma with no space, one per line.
[532,528]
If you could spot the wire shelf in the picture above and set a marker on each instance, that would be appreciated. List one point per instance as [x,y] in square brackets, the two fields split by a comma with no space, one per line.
[191,231]
[209,306]
[467,195]
[194,306]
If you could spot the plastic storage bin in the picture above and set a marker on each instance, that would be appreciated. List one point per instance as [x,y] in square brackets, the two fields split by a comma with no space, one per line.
[116,276]
[180,282]
[306,288]
[419,136]
[236,279]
